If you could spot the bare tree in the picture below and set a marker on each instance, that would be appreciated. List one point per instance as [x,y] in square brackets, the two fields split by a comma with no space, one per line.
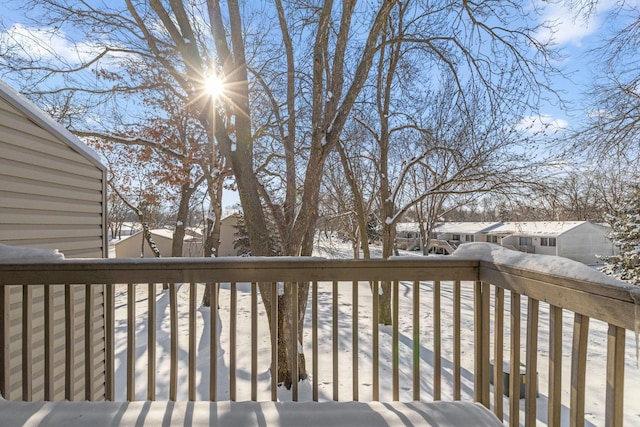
[613,126]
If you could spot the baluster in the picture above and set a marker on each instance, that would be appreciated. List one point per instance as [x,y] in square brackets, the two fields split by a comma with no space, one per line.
[192,340]
[376,342]
[314,339]
[27,334]
[615,377]
[498,348]
[151,343]
[532,362]
[254,341]
[233,311]
[334,340]
[437,343]
[555,366]
[110,326]
[131,342]
[88,341]
[514,363]
[355,384]
[416,340]
[457,359]
[395,353]
[213,347]
[173,326]
[49,322]
[578,369]
[274,341]
[294,341]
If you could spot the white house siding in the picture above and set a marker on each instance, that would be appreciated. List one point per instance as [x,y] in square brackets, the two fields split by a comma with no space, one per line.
[131,246]
[52,196]
[584,242]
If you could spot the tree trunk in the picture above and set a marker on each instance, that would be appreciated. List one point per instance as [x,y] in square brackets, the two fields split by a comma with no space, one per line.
[211,240]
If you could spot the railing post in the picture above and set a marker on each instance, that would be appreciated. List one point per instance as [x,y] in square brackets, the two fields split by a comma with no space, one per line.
[131,342]
[295,376]
[514,362]
[532,362]
[254,341]
[233,347]
[88,341]
[578,369]
[213,337]
[314,339]
[481,344]
[615,377]
[457,357]
[334,340]
[109,320]
[355,383]
[437,343]
[395,348]
[27,333]
[193,306]
[416,340]
[274,341]
[151,343]
[173,326]
[69,342]
[498,356]
[555,366]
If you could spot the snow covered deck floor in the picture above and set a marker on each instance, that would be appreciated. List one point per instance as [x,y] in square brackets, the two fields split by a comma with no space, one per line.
[249,414]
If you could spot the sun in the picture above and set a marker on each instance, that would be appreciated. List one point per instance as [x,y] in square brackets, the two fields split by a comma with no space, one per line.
[214,86]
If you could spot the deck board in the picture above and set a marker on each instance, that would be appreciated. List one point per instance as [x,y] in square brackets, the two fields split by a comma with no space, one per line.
[249,414]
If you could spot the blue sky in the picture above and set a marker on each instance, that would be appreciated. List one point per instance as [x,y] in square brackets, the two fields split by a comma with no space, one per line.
[572,33]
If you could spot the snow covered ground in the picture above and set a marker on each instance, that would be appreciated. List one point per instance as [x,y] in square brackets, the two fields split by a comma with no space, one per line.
[335,249]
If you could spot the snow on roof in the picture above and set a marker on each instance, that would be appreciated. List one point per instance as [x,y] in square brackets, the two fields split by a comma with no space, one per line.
[162,232]
[545,228]
[21,103]
[449,227]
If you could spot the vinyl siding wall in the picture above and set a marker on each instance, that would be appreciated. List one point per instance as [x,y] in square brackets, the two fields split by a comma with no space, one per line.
[51,197]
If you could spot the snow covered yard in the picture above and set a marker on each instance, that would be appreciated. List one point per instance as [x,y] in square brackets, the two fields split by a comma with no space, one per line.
[596,368]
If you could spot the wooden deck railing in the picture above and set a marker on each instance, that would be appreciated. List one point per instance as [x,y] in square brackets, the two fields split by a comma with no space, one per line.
[431,325]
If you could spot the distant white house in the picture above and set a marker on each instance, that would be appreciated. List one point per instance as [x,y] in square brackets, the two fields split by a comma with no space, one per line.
[445,236]
[582,241]
[133,247]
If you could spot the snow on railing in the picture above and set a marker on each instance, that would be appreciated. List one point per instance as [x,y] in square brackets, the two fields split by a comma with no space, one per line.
[446,330]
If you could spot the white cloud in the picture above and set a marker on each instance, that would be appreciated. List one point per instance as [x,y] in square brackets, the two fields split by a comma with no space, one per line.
[541,124]
[570,26]
[47,44]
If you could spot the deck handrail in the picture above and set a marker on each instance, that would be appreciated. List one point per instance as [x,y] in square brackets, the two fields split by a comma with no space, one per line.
[613,303]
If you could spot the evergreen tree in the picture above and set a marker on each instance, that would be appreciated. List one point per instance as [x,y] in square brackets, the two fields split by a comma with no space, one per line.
[625,234]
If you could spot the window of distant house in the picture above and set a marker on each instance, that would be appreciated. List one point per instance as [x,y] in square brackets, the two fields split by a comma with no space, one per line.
[468,238]
[492,239]
[455,237]
[434,235]
[526,241]
[547,241]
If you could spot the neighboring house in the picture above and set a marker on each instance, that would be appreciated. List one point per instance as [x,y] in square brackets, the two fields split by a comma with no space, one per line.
[132,247]
[581,241]
[228,235]
[52,196]
[445,236]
